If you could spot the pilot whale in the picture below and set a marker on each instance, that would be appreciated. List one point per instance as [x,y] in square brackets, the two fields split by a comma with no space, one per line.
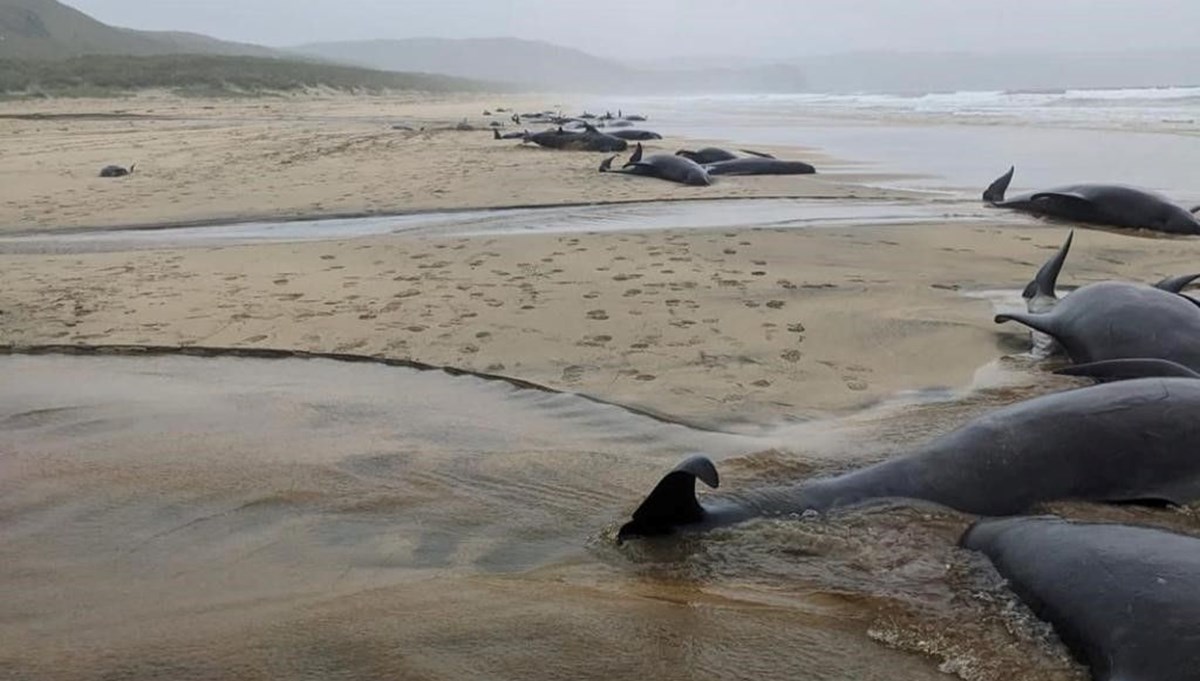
[1113,442]
[1113,205]
[1124,599]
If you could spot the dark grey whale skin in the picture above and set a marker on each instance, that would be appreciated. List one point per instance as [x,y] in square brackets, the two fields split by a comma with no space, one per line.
[759,166]
[1113,205]
[1118,320]
[1124,599]
[1129,441]
[662,166]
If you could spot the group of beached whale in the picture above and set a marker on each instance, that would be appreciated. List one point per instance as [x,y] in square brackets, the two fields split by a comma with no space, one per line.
[1124,599]
[695,168]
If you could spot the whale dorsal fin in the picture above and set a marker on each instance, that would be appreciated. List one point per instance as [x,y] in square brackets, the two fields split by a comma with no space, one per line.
[1177,284]
[636,157]
[672,502]
[1124,369]
[1047,276]
[995,191]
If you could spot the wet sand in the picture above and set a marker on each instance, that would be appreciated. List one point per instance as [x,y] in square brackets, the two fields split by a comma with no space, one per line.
[715,326]
[299,517]
[212,518]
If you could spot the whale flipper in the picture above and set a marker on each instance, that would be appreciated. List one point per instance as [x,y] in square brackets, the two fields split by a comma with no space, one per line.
[1043,283]
[673,501]
[1177,284]
[1044,322]
[995,191]
[1124,369]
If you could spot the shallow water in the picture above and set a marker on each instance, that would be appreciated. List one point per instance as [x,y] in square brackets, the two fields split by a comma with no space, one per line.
[715,214]
[962,141]
[196,518]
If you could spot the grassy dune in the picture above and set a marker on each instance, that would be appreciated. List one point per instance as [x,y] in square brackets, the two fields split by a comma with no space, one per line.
[209,75]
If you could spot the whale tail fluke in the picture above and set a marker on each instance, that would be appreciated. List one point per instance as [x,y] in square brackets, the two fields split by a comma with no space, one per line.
[606,164]
[1044,322]
[1047,277]
[495,134]
[1195,210]
[1177,284]
[756,153]
[1125,369]
[995,191]
[673,501]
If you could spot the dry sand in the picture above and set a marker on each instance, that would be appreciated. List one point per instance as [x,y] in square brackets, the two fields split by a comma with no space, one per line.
[202,161]
[716,326]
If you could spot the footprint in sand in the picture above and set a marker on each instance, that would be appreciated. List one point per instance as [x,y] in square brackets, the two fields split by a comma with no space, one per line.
[761,383]
[598,315]
[572,374]
[854,383]
[254,339]
[645,377]
[791,355]
[775,304]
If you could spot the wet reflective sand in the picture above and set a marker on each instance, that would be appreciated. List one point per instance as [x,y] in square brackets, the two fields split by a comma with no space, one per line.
[636,216]
[197,518]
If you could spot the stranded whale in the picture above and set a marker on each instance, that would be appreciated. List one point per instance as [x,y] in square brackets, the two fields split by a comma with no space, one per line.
[1113,442]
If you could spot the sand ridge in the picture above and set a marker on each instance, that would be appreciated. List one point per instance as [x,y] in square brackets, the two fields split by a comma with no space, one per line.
[715,326]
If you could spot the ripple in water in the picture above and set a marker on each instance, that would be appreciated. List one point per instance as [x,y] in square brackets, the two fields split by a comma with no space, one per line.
[194,518]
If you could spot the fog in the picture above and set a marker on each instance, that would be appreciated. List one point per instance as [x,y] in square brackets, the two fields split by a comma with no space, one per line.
[642,30]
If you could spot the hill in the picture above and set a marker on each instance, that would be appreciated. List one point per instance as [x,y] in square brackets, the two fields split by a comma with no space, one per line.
[207,75]
[540,65]
[46,29]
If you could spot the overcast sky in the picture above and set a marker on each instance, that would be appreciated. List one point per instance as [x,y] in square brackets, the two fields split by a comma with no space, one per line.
[648,29]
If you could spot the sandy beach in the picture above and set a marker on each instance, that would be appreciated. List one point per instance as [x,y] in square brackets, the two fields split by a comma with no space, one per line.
[715,326]
[286,516]
[202,161]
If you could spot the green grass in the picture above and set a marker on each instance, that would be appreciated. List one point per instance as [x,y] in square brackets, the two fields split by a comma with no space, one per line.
[209,75]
